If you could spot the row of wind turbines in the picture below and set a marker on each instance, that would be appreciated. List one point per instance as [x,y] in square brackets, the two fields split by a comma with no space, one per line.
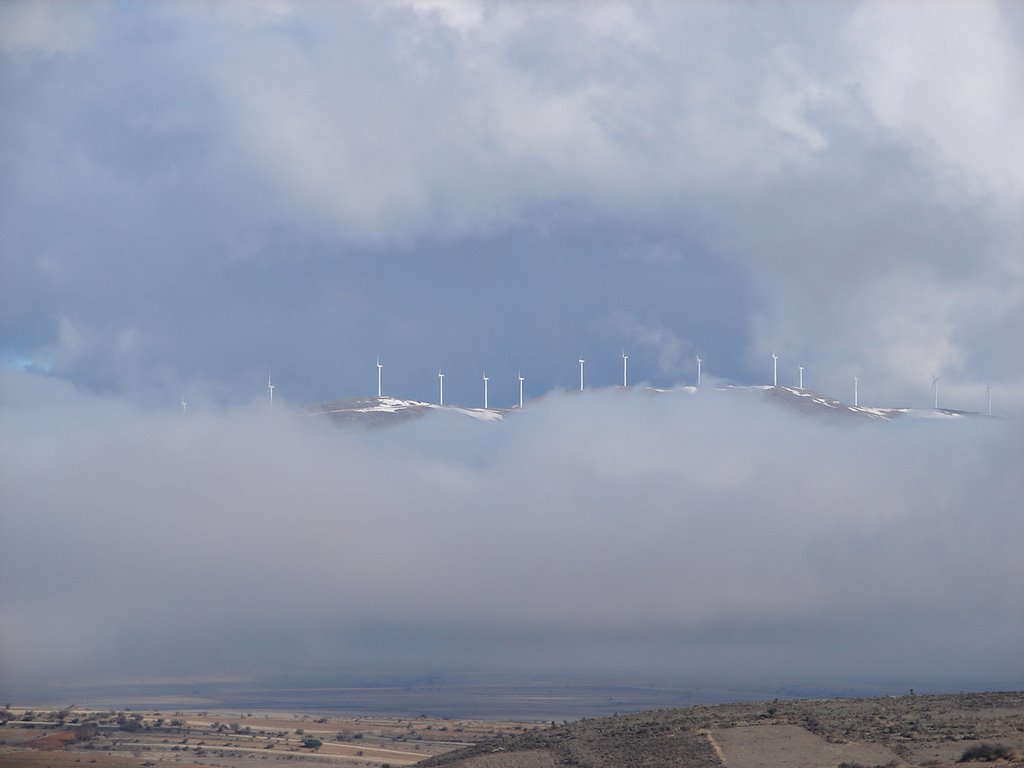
[856,385]
[625,383]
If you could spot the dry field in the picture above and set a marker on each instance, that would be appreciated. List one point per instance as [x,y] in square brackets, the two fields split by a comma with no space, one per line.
[81,738]
[831,733]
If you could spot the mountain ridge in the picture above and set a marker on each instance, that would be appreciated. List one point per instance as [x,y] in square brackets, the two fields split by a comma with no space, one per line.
[380,411]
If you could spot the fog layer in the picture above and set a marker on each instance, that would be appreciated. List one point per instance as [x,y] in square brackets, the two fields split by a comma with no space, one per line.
[706,535]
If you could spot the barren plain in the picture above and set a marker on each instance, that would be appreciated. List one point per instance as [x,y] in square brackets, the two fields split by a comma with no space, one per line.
[924,730]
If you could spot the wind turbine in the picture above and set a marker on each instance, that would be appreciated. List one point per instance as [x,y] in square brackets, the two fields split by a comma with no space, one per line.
[625,357]
[935,391]
[521,380]
[699,361]
[184,405]
[988,390]
[801,377]
[856,398]
[581,374]
[485,390]
[440,380]
[775,370]
[379,369]
[270,388]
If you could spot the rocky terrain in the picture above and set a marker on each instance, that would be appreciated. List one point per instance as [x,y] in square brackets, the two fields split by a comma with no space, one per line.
[843,733]
[928,730]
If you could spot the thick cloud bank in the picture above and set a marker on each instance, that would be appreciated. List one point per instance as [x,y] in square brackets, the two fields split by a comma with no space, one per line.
[703,535]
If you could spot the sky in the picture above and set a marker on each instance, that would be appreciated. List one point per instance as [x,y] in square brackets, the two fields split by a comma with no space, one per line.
[195,195]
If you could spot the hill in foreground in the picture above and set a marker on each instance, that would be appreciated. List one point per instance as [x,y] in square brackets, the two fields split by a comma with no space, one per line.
[844,733]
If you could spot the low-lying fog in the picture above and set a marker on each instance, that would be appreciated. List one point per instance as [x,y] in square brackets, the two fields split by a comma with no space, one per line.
[710,535]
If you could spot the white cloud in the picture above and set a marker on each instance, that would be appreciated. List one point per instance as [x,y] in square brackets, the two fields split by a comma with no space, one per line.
[949,76]
[673,353]
[50,27]
[851,171]
[788,94]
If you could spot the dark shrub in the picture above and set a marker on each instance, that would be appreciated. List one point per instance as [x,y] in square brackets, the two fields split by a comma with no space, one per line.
[87,731]
[987,753]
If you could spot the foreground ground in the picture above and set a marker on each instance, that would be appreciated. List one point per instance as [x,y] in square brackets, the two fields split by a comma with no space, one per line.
[843,733]
[891,731]
[82,737]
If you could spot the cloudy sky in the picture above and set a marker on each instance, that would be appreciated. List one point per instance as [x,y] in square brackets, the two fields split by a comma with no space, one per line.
[193,194]
[196,193]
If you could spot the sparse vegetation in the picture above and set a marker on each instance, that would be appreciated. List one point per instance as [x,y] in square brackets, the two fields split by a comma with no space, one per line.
[86,731]
[923,730]
[130,723]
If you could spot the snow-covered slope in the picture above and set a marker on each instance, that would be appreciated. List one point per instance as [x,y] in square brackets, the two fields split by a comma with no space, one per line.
[378,411]
[373,411]
[816,404]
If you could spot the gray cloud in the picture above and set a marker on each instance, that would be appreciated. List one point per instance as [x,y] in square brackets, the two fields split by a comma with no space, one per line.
[200,193]
[704,535]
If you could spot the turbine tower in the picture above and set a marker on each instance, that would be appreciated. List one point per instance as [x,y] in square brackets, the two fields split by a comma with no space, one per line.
[856,398]
[379,369]
[581,374]
[699,361]
[184,405]
[801,377]
[935,391]
[440,380]
[521,380]
[270,388]
[625,382]
[988,391]
[775,370]
[485,390]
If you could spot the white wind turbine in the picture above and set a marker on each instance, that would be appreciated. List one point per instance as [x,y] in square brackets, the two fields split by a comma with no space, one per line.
[581,374]
[801,377]
[270,388]
[775,370]
[988,391]
[625,357]
[184,405]
[521,380]
[856,397]
[699,361]
[935,391]
[485,390]
[379,369]
[440,380]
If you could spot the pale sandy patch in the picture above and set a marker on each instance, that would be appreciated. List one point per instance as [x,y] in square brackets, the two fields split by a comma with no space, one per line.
[533,758]
[790,746]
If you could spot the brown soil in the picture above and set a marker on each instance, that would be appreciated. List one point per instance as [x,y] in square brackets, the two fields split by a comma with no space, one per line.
[896,731]
[892,731]
[53,741]
[79,738]
[790,746]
